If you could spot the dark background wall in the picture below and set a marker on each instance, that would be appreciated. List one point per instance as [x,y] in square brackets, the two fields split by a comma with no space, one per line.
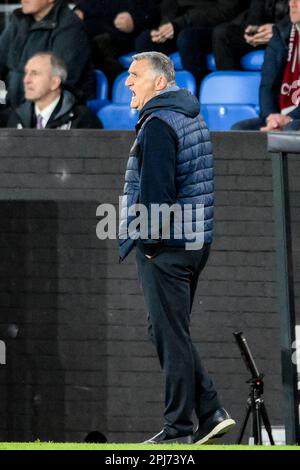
[73,318]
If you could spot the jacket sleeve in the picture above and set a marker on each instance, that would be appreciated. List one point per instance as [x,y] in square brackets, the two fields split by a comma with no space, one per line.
[158,169]
[209,14]
[159,150]
[256,14]
[86,119]
[145,14]
[6,39]
[295,114]
[71,44]
[272,75]
[87,6]
[168,11]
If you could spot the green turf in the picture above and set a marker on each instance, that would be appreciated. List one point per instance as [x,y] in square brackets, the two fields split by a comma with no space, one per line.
[120,447]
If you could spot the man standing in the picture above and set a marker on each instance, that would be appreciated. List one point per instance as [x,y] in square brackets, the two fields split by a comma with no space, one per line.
[171,163]
[47,104]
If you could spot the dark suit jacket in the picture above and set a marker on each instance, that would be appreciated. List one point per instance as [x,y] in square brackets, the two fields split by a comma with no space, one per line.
[68,114]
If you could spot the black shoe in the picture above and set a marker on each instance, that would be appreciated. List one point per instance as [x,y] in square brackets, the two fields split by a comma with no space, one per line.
[215,426]
[164,438]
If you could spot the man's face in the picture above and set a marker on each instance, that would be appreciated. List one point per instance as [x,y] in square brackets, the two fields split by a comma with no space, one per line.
[36,7]
[295,11]
[38,80]
[142,83]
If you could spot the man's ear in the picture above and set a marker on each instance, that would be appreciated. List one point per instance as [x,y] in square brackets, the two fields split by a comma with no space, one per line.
[161,83]
[55,82]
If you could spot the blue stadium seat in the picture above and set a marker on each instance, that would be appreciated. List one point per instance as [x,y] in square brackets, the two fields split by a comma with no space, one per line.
[101,98]
[176,59]
[122,94]
[253,60]
[126,59]
[229,97]
[118,117]
[185,79]
[210,62]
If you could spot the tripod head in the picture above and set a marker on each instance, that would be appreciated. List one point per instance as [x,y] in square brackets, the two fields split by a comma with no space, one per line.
[248,358]
[255,402]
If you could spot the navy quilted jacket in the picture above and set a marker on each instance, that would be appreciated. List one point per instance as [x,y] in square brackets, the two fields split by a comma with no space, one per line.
[194,170]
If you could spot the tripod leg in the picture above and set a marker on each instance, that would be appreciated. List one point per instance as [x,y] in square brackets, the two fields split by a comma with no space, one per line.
[267,423]
[248,411]
[257,424]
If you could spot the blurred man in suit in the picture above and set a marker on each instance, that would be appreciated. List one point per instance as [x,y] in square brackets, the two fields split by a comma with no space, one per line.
[48,105]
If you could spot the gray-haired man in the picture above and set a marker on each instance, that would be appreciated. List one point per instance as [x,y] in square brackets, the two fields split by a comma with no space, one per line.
[171,163]
[47,104]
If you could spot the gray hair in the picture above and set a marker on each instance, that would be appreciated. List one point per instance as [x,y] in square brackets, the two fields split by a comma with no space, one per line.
[58,66]
[160,64]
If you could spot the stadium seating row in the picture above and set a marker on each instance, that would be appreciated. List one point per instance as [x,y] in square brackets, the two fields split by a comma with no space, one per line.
[252,61]
[225,97]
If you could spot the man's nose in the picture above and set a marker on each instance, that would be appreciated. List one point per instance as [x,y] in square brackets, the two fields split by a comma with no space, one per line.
[128,81]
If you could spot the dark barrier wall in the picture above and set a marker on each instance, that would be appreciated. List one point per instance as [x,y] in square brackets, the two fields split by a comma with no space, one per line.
[73,320]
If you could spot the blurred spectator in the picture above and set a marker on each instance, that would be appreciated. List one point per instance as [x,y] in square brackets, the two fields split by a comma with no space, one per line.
[47,104]
[112,27]
[252,29]
[44,25]
[280,85]
[186,26]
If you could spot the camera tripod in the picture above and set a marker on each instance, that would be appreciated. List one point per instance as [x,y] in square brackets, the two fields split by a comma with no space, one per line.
[256,407]
[255,403]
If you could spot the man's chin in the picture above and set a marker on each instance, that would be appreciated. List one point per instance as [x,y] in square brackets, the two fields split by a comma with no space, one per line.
[29,97]
[134,105]
[26,10]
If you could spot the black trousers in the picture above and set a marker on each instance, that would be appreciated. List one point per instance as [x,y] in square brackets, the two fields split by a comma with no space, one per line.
[144,43]
[193,45]
[229,45]
[106,49]
[169,280]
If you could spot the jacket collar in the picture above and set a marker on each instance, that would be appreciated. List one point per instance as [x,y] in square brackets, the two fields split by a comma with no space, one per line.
[49,22]
[25,112]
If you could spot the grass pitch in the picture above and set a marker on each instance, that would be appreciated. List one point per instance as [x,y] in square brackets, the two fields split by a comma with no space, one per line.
[125,447]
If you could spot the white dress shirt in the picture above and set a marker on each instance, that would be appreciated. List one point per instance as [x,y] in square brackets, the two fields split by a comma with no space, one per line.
[46,112]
